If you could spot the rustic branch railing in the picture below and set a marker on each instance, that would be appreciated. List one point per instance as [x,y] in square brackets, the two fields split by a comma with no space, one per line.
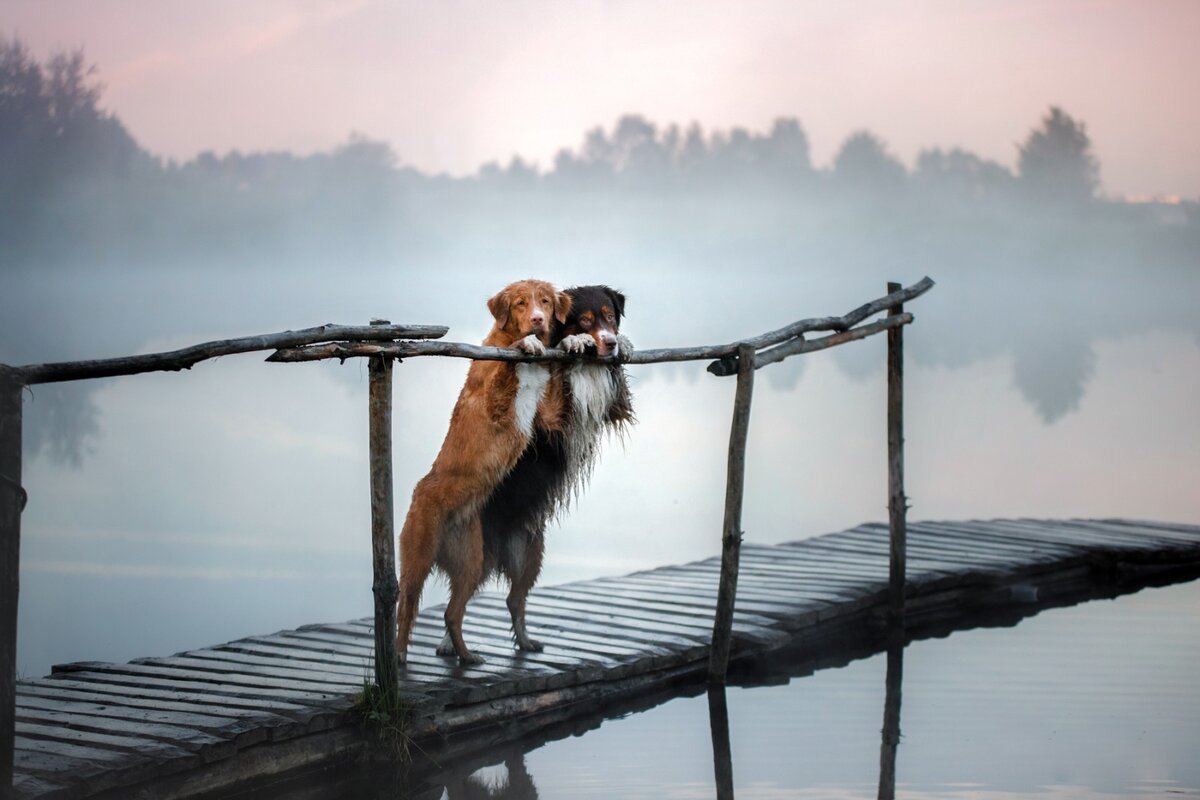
[769,348]
[382,343]
[187,357]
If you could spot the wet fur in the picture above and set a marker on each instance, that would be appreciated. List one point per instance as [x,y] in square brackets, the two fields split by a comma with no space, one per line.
[490,427]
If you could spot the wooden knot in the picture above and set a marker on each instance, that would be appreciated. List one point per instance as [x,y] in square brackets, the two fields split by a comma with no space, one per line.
[17,488]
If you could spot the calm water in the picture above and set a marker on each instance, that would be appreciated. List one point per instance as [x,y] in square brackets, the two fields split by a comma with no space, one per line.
[1101,700]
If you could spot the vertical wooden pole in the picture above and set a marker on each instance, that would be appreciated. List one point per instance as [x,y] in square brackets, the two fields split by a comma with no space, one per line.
[12,501]
[898,526]
[731,539]
[897,501]
[383,525]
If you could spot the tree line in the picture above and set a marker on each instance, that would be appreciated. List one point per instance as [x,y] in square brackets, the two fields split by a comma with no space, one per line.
[73,179]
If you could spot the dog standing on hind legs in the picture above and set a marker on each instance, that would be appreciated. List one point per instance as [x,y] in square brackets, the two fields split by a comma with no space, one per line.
[590,398]
[490,427]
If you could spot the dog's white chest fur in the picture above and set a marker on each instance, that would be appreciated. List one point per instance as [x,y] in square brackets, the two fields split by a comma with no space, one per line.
[531,385]
[593,390]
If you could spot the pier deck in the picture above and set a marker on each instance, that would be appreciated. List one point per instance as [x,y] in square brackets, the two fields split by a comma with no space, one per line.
[208,719]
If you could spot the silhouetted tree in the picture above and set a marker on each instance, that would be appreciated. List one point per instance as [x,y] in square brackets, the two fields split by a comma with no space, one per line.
[693,150]
[636,149]
[958,175]
[59,152]
[787,147]
[644,156]
[863,163]
[1056,160]
[519,174]
[24,108]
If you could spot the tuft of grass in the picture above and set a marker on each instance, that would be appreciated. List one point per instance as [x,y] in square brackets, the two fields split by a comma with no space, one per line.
[387,715]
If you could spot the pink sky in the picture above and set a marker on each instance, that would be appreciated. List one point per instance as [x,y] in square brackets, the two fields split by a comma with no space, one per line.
[452,85]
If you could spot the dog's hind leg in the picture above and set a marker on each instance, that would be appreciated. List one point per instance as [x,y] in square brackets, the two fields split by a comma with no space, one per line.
[465,572]
[523,564]
[418,549]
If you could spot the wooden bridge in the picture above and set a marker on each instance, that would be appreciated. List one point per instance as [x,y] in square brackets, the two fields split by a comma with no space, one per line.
[208,720]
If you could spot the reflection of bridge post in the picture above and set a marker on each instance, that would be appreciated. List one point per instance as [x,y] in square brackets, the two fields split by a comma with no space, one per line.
[891,715]
[518,785]
[718,718]
[520,782]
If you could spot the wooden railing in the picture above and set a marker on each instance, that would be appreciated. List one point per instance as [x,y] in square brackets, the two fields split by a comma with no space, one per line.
[382,343]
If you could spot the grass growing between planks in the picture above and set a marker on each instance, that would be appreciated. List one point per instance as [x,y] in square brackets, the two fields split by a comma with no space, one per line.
[386,715]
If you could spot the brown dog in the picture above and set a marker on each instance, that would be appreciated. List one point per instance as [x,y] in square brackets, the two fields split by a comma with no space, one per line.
[489,428]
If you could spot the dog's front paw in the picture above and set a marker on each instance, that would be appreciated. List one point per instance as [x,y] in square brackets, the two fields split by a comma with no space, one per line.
[531,345]
[577,342]
[624,347]
[530,645]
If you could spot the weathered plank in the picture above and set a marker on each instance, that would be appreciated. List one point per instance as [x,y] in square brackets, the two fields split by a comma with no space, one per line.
[795,596]
[80,717]
[1023,546]
[230,705]
[648,605]
[758,612]
[128,741]
[498,619]
[1172,528]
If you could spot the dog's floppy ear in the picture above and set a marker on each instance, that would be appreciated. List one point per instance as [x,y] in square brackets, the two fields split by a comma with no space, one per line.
[498,305]
[618,302]
[562,306]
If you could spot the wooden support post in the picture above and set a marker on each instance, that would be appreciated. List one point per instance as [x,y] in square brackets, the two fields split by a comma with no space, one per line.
[383,525]
[12,502]
[731,539]
[897,501]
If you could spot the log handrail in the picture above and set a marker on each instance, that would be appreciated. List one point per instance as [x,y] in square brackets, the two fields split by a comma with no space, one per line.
[396,341]
[187,357]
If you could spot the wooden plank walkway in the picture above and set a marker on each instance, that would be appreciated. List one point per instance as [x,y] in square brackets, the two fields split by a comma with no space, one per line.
[205,720]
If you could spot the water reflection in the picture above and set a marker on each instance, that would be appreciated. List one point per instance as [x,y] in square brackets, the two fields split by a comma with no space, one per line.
[718,712]
[1053,378]
[515,784]
[718,718]
[473,767]
[891,716]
